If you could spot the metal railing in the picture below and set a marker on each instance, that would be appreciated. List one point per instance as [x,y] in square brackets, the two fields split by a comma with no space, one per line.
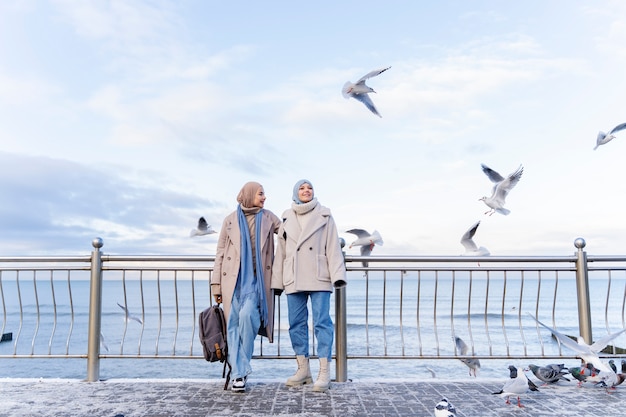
[394,308]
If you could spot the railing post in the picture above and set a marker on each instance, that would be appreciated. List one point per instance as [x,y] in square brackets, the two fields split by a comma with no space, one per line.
[582,290]
[341,339]
[95,313]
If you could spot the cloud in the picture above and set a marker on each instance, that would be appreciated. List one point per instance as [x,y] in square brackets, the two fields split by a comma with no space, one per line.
[61,205]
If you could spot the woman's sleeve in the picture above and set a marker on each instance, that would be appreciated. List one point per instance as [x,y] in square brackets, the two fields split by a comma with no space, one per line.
[279,258]
[334,254]
[216,277]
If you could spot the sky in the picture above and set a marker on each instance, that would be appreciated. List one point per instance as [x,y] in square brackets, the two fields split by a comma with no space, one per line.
[129,120]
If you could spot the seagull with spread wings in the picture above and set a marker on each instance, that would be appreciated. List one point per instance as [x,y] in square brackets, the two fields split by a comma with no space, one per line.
[366,241]
[501,189]
[607,137]
[129,316]
[463,350]
[202,229]
[360,91]
[471,248]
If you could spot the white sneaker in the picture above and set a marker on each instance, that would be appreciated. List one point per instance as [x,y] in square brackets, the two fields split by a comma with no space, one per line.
[239,385]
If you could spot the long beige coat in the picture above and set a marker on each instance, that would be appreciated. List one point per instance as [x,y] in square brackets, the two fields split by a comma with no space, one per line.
[311,259]
[228,262]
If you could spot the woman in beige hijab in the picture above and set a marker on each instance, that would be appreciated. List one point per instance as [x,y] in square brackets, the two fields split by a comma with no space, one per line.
[242,277]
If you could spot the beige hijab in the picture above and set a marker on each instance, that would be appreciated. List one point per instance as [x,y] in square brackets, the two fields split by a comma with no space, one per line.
[247,194]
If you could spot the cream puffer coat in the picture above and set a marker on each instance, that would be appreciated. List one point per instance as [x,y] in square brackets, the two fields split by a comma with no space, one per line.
[228,262]
[311,259]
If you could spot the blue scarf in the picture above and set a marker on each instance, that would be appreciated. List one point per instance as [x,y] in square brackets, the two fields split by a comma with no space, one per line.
[248,282]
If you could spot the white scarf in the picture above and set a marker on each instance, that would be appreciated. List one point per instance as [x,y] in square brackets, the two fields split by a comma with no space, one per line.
[302,210]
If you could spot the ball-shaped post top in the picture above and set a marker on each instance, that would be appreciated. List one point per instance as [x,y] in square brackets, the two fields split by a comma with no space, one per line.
[97,243]
[580,243]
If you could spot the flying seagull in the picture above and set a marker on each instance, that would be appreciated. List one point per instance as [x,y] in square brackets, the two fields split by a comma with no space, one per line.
[360,90]
[471,249]
[607,137]
[103,342]
[463,350]
[588,353]
[500,189]
[202,229]
[130,316]
[366,241]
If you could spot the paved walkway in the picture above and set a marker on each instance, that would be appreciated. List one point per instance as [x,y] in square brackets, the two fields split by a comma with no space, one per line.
[191,398]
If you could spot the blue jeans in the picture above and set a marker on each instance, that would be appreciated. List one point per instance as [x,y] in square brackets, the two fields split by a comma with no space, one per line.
[243,325]
[299,327]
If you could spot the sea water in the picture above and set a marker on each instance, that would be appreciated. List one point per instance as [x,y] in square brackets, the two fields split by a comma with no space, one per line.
[386,317]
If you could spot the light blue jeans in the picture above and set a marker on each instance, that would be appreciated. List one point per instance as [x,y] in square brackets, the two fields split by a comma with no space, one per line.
[299,327]
[243,325]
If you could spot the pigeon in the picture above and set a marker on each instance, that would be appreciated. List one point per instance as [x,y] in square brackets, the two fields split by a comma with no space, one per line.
[607,137]
[471,249]
[517,385]
[589,353]
[445,409]
[472,364]
[202,229]
[588,373]
[360,90]
[365,241]
[549,374]
[500,189]
[129,316]
[621,376]
[579,373]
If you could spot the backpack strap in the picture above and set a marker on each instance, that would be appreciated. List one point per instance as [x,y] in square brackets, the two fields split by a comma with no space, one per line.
[227,375]
[225,333]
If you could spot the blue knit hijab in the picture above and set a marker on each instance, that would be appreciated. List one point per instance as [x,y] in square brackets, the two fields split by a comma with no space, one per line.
[296,187]
[248,282]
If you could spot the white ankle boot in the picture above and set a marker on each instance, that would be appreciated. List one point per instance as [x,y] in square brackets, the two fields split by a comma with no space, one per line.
[302,375]
[322,383]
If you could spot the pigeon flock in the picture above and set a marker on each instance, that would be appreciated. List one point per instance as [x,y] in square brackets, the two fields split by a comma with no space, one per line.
[593,372]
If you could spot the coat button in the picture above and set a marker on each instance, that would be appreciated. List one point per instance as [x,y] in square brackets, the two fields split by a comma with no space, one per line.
[228,258]
[267,267]
[310,248]
[224,273]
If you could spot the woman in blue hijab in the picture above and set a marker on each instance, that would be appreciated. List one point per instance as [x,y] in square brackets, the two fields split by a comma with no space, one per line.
[308,265]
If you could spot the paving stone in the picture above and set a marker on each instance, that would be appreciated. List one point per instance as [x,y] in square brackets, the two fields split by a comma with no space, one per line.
[200,398]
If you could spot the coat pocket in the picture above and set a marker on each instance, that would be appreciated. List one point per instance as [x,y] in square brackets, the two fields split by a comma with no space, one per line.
[323,274]
[288,272]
